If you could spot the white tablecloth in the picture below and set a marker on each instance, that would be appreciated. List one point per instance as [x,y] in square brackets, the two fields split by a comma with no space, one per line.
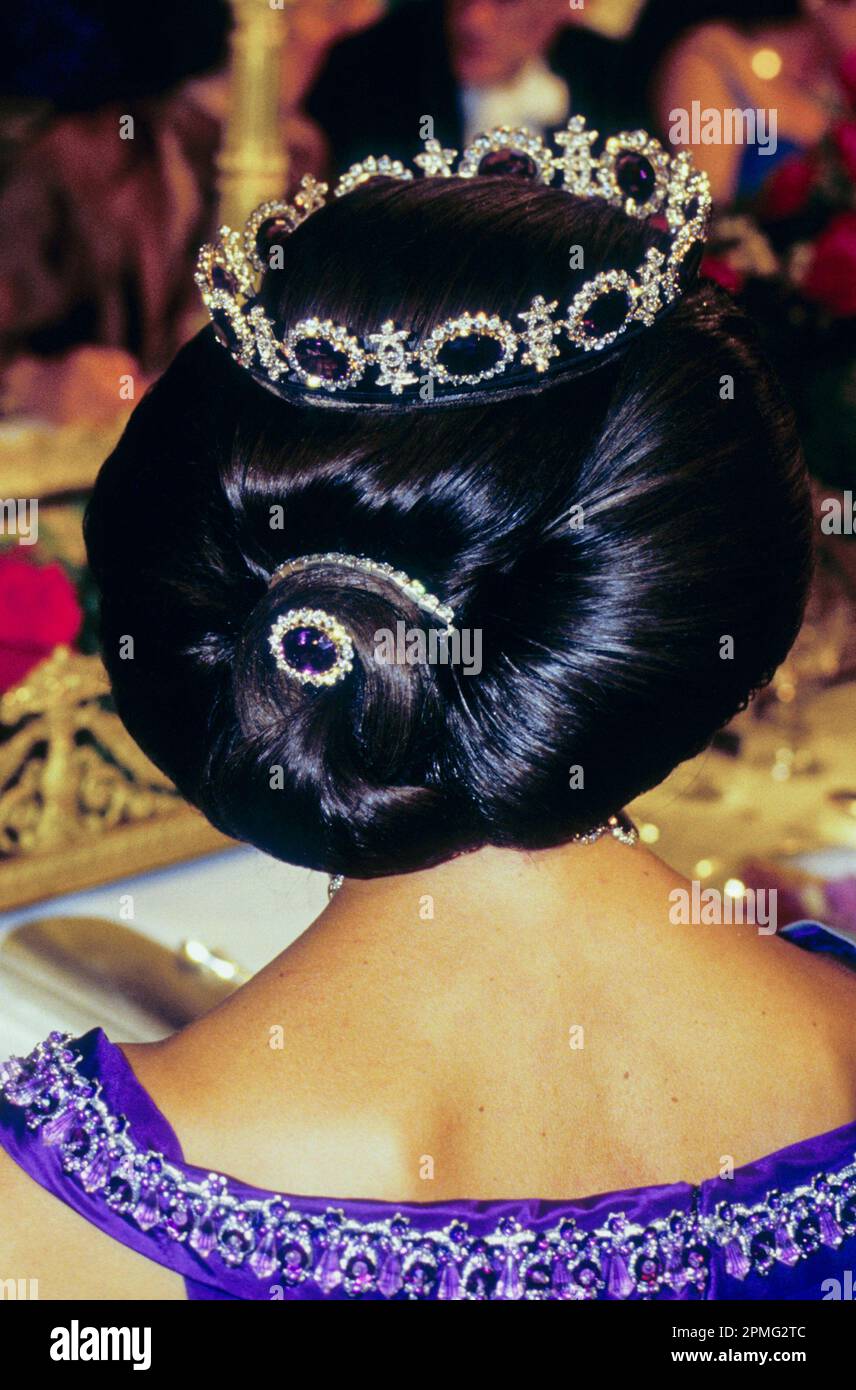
[246,904]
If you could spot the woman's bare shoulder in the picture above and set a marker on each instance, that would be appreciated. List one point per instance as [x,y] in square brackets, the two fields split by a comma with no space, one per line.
[43,1240]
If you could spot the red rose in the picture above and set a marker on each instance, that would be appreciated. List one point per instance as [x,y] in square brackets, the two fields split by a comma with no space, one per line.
[844,136]
[38,610]
[714,268]
[831,276]
[847,75]
[788,189]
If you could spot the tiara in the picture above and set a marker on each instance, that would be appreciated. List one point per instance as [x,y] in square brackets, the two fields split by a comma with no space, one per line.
[319,361]
[311,645]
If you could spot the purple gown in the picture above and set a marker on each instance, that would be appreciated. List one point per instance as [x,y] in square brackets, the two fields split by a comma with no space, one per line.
[74,1116]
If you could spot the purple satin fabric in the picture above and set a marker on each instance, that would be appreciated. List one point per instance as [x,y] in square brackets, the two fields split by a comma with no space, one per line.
[211,1278]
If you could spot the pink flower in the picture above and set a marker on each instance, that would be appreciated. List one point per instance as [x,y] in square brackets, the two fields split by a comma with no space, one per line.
[788,189]
[847,75]
[844,136]
[38,610]
[717,269]
[831,276]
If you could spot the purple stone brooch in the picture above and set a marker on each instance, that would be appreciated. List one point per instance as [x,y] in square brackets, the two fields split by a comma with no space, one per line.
[311,646]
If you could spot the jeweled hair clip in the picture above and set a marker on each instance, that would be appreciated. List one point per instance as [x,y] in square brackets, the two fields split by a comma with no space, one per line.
[312,646]
[323,361]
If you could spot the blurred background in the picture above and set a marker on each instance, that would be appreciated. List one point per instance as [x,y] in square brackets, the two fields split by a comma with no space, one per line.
[126,136]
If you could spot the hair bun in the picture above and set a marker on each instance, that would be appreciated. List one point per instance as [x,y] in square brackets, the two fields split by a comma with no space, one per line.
[345,752]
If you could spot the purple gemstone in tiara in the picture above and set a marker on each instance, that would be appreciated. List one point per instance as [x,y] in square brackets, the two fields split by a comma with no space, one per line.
[223,279]
[509,163]
[309,651]
[635,176]
[466,356]
[273,231]
[606,314]
[318,358]
[324,354]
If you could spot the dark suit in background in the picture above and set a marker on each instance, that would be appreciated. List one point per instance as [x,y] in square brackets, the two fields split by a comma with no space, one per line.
[377,85]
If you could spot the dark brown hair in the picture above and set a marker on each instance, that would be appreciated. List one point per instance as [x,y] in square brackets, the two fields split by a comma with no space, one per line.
[602,643]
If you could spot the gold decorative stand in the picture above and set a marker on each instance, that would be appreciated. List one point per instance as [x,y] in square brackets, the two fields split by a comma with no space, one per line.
[79,803]
[253,162]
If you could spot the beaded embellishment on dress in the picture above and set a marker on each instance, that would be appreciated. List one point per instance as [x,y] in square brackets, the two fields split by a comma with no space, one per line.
[282,1245]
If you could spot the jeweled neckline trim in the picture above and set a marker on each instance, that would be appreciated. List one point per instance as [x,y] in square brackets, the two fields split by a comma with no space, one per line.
[278,1243]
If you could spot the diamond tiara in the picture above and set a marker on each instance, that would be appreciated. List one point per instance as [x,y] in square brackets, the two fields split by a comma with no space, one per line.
[413,589]
[320,362]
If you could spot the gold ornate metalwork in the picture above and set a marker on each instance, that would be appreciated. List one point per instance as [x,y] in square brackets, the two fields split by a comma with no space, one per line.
[253,161]
[79,802]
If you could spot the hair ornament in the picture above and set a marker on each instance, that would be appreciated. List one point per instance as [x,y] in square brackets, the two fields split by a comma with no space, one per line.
[312,646]
[317,361]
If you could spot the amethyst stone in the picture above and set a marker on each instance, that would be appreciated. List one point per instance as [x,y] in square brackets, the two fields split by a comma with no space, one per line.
[450,1283]
[470,355]
[295,1261]
[274,231]
[317,357]
[79,1143]
[606,314]
[737,1263]
[359,1273]
[120,1194]
[309,651]
[511,163]
[634,175]
[538,1277]
[263,1259]
[390,1279]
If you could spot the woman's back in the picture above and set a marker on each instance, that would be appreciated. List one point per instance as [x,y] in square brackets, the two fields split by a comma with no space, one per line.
[383,1063]
[543,1035]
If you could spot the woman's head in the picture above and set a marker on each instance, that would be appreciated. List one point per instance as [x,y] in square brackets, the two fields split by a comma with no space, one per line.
[631,547]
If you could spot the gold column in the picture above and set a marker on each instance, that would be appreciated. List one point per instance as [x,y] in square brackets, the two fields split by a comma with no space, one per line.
[253,160]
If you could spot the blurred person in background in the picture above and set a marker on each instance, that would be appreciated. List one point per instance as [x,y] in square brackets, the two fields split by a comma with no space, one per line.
[469,65]
[315,26]
[779,55]
[96,265]
[106,186]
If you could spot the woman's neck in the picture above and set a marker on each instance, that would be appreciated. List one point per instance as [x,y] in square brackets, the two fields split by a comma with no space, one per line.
[492,895]
[529,1021]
